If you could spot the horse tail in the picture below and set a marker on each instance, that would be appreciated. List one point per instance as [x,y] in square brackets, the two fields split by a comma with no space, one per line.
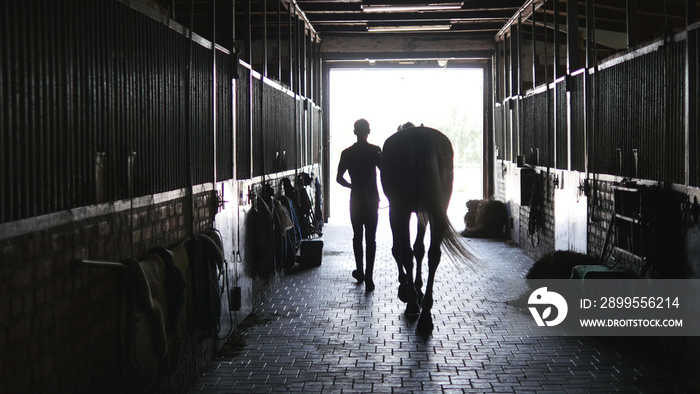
[436,192]
[455,246]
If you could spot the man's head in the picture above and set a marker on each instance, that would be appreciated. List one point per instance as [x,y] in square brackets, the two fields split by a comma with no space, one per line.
[361,127]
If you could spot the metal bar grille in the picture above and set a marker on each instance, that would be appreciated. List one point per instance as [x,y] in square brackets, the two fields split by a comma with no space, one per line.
[516,128]
[271,130]
[304,131]
[675,112]
[94,108]
[576,119]
[202,128]
[299,134]
[316,133]
[289,141]
[224,125]
[95,105]
[258,139]
[538,123]
[508,129]
[243,137]
[279,129]
[694,105]
[155,66]
[561,126]
[546,135]
[641,115]
[527,143]
[498,129]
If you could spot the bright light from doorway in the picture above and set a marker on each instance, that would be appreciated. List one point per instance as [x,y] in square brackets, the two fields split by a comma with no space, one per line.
[447,99]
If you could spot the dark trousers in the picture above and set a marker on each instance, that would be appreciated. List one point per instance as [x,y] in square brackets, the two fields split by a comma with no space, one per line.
[364,219]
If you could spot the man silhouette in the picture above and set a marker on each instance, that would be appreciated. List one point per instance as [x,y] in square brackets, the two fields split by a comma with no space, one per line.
[361,161]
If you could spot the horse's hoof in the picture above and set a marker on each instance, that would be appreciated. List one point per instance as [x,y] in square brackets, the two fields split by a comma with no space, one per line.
[419,297]
[358,275]
[425,325]
[403,289]
[412,310]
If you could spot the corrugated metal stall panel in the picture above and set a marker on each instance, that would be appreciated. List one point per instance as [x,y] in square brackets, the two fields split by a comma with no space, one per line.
[605,140]
[577,123]
[640,125]
[270,128]
[546,133]
[258,138]
[508,128]
[516,128]
[303,118]
[498,129]
[561,127]
[96,106]
[527,141]
[156,66]
[279,129]
[301,131]
[694,89]
[202,136]
[224,117]
[316,132]
[103,103]
[676,95]
[243,140]
[537,144]
[288,140]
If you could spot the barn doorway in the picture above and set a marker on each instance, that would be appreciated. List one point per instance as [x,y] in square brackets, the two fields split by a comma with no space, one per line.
[447,99]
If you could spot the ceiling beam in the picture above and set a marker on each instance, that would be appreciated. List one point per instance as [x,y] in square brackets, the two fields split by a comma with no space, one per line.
[409,16]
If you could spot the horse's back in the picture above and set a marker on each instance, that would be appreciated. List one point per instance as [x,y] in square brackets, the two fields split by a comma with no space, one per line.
[414,159]
[416,137]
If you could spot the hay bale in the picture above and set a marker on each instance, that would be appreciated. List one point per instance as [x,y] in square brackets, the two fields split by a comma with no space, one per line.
[558,264]
[470,216]
[486,219]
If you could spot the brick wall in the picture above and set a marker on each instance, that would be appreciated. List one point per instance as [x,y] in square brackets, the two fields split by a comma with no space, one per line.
[664,232]
[667,241]
[538,243]
[601,208]
[59,322]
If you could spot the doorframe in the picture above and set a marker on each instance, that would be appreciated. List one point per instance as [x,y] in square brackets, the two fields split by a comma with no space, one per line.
[488,134]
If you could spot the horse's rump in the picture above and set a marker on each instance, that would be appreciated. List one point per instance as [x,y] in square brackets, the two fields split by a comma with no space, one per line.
[416,167]
[417,176]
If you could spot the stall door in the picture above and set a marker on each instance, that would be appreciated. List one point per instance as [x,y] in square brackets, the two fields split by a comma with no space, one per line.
[570,213]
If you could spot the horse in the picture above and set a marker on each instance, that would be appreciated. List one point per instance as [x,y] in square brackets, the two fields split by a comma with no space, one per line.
[416,175]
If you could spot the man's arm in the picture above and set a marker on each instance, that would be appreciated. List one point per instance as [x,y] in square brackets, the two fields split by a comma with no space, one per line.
[340,178]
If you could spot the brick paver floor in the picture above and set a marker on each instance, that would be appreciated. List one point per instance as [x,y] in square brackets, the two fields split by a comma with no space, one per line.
[320,332]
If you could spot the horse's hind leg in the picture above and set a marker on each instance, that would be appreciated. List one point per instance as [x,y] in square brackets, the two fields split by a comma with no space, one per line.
[425,322]
[419,253]
[403,254]
[396,251]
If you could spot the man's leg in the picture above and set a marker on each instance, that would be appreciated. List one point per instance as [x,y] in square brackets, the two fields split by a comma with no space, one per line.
[370,240]
[357,230]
